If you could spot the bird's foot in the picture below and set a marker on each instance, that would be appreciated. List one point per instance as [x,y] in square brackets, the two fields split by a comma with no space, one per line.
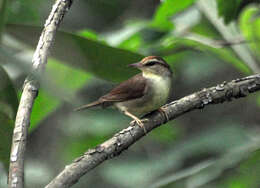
[140,123]
[163,112]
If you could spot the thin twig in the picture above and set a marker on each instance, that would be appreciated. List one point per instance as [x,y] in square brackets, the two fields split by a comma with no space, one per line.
[216,43]
[30,90]
[127,137]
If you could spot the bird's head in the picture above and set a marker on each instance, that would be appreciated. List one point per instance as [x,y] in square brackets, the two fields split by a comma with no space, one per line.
[153,65]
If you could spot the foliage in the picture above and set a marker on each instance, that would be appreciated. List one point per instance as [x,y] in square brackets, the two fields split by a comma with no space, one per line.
[216,147]
[8,108]
[168,8]
[230,10]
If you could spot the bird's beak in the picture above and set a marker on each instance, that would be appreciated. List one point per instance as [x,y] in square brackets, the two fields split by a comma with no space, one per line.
[135,65]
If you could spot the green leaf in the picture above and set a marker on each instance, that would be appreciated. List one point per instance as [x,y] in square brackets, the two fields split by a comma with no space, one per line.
[166,10]
[229,10]
[133,43]
[130,29]
[249,23]
[171,44]
[142,40]
[205,28]
[89,55]
[6,131]
[8,108]
[88,34]
[8,96]
[61,87]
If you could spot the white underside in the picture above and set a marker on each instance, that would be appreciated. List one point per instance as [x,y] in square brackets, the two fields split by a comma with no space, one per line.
[156,96]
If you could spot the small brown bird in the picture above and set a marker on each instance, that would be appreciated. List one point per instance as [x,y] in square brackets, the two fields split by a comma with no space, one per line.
[141,94]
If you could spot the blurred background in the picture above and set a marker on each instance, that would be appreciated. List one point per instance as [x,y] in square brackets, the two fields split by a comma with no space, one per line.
[205,42]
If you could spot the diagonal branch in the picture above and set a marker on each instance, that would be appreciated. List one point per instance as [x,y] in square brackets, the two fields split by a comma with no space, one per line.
[121,141]
[30,90]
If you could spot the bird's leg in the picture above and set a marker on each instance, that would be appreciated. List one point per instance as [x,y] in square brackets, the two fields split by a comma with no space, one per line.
[162,111]
[137,120]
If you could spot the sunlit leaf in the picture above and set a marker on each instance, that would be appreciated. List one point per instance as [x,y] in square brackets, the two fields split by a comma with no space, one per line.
[167,9]
[249,23]
[133,43]
[89,34]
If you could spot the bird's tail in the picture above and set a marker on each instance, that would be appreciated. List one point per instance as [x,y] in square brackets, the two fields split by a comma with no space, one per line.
[95,103]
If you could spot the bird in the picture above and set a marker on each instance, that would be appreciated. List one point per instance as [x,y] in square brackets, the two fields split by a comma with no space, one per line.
[141,94]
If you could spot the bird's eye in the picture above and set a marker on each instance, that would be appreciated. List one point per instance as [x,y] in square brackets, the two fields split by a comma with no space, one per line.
[151,63]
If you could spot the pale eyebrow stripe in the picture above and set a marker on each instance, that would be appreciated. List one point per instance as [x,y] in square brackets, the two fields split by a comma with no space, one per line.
[159,61]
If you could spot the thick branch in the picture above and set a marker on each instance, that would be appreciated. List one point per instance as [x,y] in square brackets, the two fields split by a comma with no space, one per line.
[30,90]
[122,140]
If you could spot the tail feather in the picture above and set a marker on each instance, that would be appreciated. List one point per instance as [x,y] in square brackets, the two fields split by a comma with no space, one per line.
[95,103]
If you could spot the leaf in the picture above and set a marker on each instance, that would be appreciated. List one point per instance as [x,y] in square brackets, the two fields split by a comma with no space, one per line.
[8,97]
[205,28]
[171,44]
[6,131]
[133,43]
[89,55]
[142,40]
[229,10]
[61,87]
[249,24]
[132,28]
[8,108]
[166,10]
[88,34]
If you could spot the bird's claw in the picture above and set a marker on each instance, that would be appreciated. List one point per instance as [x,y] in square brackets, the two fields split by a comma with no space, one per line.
[140,123]
[162,111]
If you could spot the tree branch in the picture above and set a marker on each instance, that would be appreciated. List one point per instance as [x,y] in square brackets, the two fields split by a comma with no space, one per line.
[125,138]
[30,90]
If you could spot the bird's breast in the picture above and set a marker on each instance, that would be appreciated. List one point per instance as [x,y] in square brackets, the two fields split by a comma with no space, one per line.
[160,89]
[156,95]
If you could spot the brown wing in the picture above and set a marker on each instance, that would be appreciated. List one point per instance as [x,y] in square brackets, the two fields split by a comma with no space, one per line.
[130,89]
